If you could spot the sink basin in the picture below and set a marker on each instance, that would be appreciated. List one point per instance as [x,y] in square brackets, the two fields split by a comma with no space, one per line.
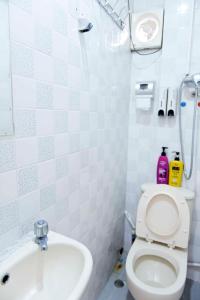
[62,272]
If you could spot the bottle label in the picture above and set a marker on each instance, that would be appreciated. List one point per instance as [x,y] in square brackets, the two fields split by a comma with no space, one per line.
[162,173]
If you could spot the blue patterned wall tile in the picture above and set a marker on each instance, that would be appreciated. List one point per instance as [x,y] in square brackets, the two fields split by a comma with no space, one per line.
[27,180]
[44,95]
[25,123]
[47,196]
[46,148]
[7,156]
[61,166]
[61,121]
[22,60]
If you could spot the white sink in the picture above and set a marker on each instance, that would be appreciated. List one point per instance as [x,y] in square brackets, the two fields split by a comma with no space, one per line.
[62,272]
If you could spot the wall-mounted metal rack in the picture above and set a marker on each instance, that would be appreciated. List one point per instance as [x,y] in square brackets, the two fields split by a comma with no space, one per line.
[118,15]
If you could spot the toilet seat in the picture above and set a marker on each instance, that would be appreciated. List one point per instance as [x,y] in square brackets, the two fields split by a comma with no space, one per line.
[163,215]
[176,258]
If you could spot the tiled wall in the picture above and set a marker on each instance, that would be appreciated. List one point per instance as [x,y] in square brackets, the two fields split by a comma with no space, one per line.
[67,160]
[148,133]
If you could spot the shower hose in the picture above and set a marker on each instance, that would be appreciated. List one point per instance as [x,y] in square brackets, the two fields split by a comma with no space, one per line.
[188,173]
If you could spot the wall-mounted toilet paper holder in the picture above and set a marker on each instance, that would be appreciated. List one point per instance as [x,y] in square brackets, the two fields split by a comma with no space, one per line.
[144,93]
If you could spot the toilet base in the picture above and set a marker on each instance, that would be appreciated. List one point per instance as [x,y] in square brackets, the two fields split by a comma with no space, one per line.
[136,293]
[155,272]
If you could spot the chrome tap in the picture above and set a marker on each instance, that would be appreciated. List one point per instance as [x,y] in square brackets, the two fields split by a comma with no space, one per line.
[41,230]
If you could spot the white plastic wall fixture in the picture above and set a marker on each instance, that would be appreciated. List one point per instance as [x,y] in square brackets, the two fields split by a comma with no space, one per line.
[162,107]
[147,28]
[172,102]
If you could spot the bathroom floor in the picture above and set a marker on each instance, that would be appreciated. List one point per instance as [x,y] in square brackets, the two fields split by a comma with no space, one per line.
[110,292]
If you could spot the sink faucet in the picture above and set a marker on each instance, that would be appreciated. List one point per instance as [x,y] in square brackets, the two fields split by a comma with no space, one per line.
[41,230]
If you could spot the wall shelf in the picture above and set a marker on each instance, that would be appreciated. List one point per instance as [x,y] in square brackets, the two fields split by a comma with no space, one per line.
[117,15]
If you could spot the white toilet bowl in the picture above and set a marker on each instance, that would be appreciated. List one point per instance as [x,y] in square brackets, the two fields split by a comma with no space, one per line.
[154,272]
[156,265]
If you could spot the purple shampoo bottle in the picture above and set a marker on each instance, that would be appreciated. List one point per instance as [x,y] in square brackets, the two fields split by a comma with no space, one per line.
[163,168]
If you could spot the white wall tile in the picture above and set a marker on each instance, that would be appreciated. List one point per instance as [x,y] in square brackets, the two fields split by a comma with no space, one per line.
[8,187]
[22,60]
[61,209]
[26,5]
[74,163]
[45,122]
[60,72]
[74,100]
[85,121]
[74,78]
[84,140]
[74,142]
[60,46]
[42,12]
[74,54]
[10,237]
[26,226]
[9,217]
[72,28]
[60,97]
[20,19]
[85,103]
[43,39]
[24,92]
[60,20]
[26,151]
[61,144]
[62,188]
[43,67]
[74,202]
[29,206]
[84,157]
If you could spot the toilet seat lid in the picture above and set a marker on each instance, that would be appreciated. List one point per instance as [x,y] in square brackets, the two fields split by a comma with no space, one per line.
[163,215]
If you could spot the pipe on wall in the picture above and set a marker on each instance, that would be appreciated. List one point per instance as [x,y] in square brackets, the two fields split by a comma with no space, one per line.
[193,264]
[130,221]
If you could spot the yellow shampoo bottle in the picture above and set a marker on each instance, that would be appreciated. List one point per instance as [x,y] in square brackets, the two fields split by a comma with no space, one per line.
[176,171]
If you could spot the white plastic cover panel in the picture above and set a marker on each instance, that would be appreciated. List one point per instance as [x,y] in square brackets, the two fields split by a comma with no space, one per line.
[147,28]
[163,215]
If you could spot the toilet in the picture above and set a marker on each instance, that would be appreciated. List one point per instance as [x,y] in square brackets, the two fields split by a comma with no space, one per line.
[156,265]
